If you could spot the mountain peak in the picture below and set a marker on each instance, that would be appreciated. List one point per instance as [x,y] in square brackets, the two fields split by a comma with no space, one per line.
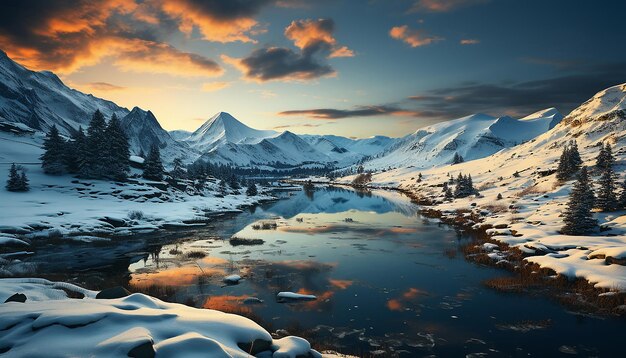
[607,104]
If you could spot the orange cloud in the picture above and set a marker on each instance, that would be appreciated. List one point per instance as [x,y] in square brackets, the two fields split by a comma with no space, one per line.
[211,20]
[214,86]
[415,38]
[308,33]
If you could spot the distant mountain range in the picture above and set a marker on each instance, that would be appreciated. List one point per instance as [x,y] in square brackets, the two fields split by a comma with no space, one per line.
[38,100]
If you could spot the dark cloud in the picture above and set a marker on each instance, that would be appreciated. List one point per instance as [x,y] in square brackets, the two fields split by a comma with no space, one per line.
[316,42]
[362,111]
[565,93]
[442,5]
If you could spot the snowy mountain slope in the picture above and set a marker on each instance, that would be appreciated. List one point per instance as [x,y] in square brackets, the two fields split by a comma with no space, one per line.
[472,137]
[223,128]
[346,151]
[606,105]
[535,199]
[284,149]
[40,99]
[143,131]
[179,134]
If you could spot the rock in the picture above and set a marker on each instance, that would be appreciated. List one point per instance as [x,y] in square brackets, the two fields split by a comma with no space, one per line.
[144,350]
[18,297]
[113,292]
[115,222]
[257,346]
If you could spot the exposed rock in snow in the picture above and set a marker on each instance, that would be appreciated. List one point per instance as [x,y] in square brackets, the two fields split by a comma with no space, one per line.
[292,296]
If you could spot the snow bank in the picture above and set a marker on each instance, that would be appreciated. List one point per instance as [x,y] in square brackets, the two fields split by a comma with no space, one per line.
[114,327]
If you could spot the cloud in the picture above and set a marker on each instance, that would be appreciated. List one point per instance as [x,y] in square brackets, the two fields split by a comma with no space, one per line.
[415,38]
[104,86]
[362,111]
[442,5]
[308,33]
[469,41]
[215,86]
[306,125]
[65,36]
[519,98]
[316,43]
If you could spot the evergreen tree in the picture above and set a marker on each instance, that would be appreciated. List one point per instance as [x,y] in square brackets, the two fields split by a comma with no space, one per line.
[117,151]
[565,169]
[153,167]
[94,166]
[607,199]
[17,181]
[13,183]
[578,217]
[24,182]
[457,158]
[449,195]
[52,160]
[75,151]
[574,155]
[252,190]
[605,158]
[222,187]
[178,172]
[499,197]
[232,181]
[622,196]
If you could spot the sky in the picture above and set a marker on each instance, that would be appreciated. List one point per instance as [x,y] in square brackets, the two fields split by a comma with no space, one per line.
[345,67]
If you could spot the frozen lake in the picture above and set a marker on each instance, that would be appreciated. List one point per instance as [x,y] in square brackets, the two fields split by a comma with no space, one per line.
[386,280]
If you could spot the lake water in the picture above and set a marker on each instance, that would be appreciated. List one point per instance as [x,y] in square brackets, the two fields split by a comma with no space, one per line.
[387,281]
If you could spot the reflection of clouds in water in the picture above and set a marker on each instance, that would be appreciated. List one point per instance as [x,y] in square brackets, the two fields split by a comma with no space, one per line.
[341,284]
[362,232]
[176,275]
[227,303]
[407,300]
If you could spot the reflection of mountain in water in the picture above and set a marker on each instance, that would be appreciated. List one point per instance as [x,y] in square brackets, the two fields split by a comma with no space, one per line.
[336,200]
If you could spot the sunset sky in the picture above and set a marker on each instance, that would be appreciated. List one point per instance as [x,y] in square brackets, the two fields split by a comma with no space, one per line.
[353,68]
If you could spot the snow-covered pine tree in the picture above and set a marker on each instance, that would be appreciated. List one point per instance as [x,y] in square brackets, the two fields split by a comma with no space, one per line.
[52,159]
[457,158]
[565,169]
[222,187]
[607,199]
[95,148]
[117,152]
[575,159]
[75,151]
[622,196]
[178,171]
[252,190]
[153,167]
[578,218]
[605,158]
[23,182]
[13,183]
[233,182]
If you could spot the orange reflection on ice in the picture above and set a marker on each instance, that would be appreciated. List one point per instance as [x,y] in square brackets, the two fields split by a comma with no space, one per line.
[175,276]
[341,284]
[227,303]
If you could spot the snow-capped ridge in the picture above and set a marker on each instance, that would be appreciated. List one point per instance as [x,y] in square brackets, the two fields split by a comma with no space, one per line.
[604,105]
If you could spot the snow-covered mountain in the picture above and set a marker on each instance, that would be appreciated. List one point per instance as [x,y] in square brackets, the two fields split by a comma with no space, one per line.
[41,100]
[346,151]
[222,129]
[285,149]
[143,131]
[472,137]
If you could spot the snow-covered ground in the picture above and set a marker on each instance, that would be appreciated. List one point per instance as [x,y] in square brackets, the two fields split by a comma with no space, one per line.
[136,325]
[81,209]
[529,215]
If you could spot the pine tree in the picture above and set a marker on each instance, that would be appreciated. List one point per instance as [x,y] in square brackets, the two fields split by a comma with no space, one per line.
[565,169]
[222,187]
[13,183]
[499,197]
[578,217]
[232,181]
[117,151]
[52,160]
[622,196]
[449,195]
[605,158]
[94,166]
[23,182]
[457,158]
[153,167]
[607,200]
[574,155]
[75,151]
[252,190]
[178,172]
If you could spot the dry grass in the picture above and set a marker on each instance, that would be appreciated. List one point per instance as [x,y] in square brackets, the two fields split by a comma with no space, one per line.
[531,190]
